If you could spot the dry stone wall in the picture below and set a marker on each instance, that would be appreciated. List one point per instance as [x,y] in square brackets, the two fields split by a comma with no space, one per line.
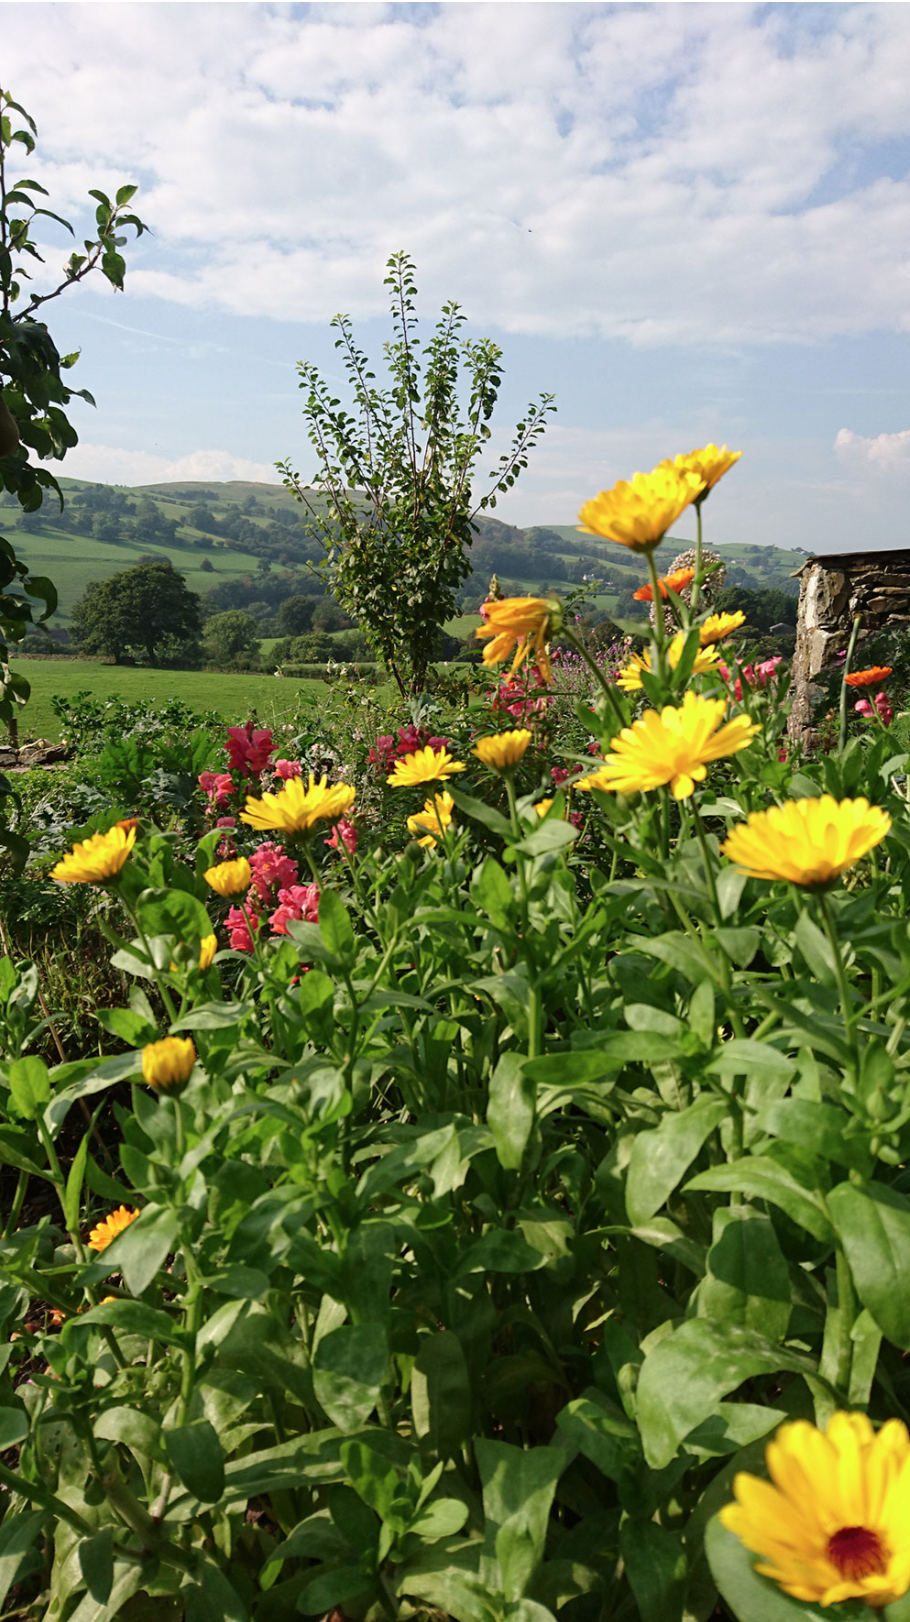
[834,588]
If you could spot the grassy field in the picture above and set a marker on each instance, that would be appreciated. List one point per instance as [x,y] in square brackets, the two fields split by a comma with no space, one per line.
[232,696]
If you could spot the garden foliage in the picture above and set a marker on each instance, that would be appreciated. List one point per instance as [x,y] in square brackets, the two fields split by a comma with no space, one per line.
[481,1210]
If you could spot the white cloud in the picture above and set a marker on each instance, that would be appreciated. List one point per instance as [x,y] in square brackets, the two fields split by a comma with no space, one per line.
[109,464]
[663,173]
[883,454]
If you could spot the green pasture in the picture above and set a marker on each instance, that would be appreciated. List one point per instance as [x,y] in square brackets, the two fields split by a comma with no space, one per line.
[273,699]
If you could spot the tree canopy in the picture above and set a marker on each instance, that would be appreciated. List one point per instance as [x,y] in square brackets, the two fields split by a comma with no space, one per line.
[137,611]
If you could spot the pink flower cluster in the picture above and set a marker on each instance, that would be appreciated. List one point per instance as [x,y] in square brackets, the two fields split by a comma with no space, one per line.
[249,749]
[522,698]
[344,837]
[386,751]
[882,708]
[275,878]
[758,675]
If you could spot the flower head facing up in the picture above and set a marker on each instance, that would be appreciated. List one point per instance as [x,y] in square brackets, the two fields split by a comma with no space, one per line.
[807,842]
[97,859]
[831,1525]
[503,750]
[873,677]
[295,809]
[433,820]
[708,465]
[522,623]
[166,1065]
[672,582]
[424,766]
[108,1229]
[638,513]
[717,626]
[229,878]
[629,678]
[674,747]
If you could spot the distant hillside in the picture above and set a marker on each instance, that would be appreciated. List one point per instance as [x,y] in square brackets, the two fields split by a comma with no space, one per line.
[247,545]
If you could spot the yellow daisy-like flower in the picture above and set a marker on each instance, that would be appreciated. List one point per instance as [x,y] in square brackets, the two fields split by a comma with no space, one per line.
[543,806]
[808,842]
[295,809]
[717,626]
[503,750]
[230,878]
[96,859]
[673,747]
[639,512]
[208,946]
[107,1230]
[522,623]
[599,779]
[831,1525]
[435,818]
[424,766]
[708,465]
[629,678]
[166,1065]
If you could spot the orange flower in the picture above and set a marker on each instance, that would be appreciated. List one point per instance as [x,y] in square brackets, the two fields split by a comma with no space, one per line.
[106,1231]
[675,582]
[868,678]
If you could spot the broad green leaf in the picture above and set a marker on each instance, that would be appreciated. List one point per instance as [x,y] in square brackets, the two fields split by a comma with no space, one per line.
[820,1128]
[499,1251]
[196,1456]
[761,1178]
[518,1489]
[748,1281]
[14,1427]
[133,1317]
[142,1248]
[315,1000]
[18,1534]
[335,925]
[655,1562]
[607,1438]
[96,1562]
[133,1427]
[441,1518]
[661,1158]
[743,1057]
[372,1476]
[73,1195]
[510,1111]
[349,1367]
[873,1222]
[173,912]
[441,1400]
[30,1087]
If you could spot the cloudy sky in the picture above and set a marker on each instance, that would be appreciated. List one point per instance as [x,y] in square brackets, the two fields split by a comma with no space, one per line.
[688,222]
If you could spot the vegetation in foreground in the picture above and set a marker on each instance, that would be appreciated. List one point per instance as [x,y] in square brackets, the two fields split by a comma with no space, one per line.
[504,1121]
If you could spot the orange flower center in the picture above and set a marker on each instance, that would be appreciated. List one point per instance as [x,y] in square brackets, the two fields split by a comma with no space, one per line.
[857,1553]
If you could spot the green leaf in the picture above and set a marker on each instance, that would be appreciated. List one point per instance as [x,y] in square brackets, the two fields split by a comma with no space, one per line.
[315,1001]
[18,1534]
[441,1401]
[655,1562]
[349,1367]
[608,1439]
[73,1195]
[748,1281]
[873,1222]
[820,1128]
[96,1562]
[499,1251]
[335,925]
[752,1598]
[661,1158]
[491,893]
[553,834]
[763,1179]
[196,1456]
[510,1111]
[441,1518]
[133,1317]
[686,1374]
[214,1598]
[479,811]
[142,1248]
[132,1427]
[518,1489]
[173,912]
[14,1427]
[30,1086]
[372,1476]
[743,1057]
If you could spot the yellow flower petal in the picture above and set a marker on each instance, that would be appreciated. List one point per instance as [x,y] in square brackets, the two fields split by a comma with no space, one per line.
[295,809]
[230,878]
[108,1229]
[673,747]
[424,766]
[503,749]
[639,512]
[522,623]
[96,859]
[808,842]
[167,1064]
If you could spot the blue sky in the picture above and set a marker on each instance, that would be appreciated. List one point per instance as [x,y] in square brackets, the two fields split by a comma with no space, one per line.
[689,222]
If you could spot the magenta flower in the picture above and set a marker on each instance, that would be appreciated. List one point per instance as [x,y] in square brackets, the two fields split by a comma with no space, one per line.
[298,902]
[218,786]
[239,928]
[287,768]
[273,870]
[344,836]
[249,749]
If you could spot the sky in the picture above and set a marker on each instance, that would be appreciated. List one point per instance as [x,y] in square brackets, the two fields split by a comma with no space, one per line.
[687,222]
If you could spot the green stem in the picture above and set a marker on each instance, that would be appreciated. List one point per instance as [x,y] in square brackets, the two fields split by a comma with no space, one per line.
[843,984]
[16,1209]
[709,865]
[846,1306]
[606,687]
[658,613]
[157,976]
[842,738]
[696,583]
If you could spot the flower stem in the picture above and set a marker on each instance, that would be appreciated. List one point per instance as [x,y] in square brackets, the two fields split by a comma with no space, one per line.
[658,612]
[709,865]
[846,1306]
[843,983]
[696,583]
[842,736]
[607,687]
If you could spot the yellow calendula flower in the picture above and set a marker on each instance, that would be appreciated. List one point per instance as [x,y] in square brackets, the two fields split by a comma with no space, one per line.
[599,779]
[708,465]
[166,1065]
[674,747]
[543,806]
[433,820]
[424,766]
[107,1230]
[629,678]
[295,809]
[717,626]
[808,842]
[832,1523]
[639,512]
[503,750]
[208,946]
[522,623]
[230,878]
[96,859]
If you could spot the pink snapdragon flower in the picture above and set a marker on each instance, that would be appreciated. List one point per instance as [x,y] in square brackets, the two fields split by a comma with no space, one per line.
[272,870]
[287,768]
[298,902]
[560,775]
[882,708]
[386,751]
[249,749]
[344,836]
[239,929]
[218,786]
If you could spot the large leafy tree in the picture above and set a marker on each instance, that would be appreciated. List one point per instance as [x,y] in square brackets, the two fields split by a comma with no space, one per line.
[137,611]
[393,500]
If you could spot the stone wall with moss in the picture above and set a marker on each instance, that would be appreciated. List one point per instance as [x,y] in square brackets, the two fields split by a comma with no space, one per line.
[834,588]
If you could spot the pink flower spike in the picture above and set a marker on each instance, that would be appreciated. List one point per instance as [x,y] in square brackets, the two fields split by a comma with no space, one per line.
[287,768]
[297,903]
[226,822]
[273,870]
[344,836]
[249,749]
[238,928]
